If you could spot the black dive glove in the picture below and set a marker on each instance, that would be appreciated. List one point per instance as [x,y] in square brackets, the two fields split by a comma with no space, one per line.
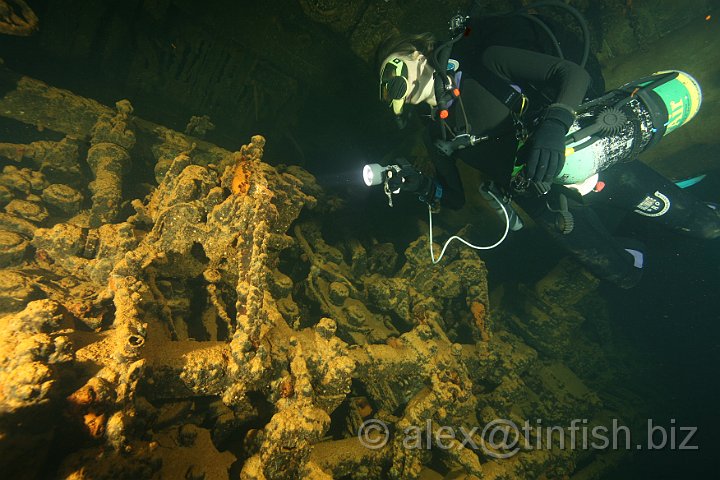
[411,180]
[544,153]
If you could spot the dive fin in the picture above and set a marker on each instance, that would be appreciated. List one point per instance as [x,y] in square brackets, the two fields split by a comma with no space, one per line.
[689,182]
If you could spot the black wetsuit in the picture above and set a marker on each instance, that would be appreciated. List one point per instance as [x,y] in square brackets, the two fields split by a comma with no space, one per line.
[631,187]
[563,81]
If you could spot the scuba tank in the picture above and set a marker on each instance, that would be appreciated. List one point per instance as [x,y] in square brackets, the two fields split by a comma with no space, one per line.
[627,121]
[617,127]
[613,128]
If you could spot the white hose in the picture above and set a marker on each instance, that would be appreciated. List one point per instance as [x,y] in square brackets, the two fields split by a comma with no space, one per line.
[455,237]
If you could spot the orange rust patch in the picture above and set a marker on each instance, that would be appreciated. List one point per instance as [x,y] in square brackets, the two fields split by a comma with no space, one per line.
[287,388]
[252,152]
[241,179]
[479,313]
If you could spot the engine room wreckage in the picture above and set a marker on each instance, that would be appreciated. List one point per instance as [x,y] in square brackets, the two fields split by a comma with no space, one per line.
[207,329]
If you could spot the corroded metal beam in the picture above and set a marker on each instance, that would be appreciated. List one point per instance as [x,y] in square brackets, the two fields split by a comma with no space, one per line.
[34,102]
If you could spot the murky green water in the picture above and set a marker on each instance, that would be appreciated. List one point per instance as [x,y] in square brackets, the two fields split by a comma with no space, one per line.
[669,325]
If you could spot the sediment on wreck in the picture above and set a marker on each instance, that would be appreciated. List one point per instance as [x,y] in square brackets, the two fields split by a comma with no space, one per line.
[208,329]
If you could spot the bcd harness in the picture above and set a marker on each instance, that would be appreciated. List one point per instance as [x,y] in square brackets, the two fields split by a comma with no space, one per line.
[447,91]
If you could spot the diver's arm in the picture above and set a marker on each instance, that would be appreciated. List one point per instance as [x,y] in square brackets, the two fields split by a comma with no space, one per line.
[544,152]
[570,80]
[448,176]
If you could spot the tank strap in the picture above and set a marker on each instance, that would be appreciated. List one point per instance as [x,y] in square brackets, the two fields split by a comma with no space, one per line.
[658,115]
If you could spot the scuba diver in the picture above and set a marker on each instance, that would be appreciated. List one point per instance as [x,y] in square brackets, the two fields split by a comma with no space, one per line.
[515,114]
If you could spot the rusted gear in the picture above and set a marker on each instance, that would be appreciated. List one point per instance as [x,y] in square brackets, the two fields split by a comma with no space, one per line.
[17,18]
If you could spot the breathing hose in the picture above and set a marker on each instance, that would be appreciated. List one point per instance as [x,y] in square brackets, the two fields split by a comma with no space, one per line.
[552,3]
[455,237]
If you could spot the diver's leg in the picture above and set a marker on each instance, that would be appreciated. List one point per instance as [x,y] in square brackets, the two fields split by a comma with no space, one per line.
[635,187]
[590,242]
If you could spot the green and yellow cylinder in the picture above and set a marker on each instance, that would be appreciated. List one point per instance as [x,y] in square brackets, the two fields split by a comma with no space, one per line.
[682,97]
[650,108]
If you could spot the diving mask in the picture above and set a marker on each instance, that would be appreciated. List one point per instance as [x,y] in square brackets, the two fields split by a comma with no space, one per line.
[394,84]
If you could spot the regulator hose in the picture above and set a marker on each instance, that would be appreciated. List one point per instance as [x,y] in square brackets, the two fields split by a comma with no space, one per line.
[551,3]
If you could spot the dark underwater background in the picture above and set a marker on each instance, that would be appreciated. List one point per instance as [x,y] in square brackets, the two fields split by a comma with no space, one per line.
[330,123]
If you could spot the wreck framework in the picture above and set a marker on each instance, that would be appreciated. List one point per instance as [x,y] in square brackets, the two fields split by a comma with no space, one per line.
[206,329]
